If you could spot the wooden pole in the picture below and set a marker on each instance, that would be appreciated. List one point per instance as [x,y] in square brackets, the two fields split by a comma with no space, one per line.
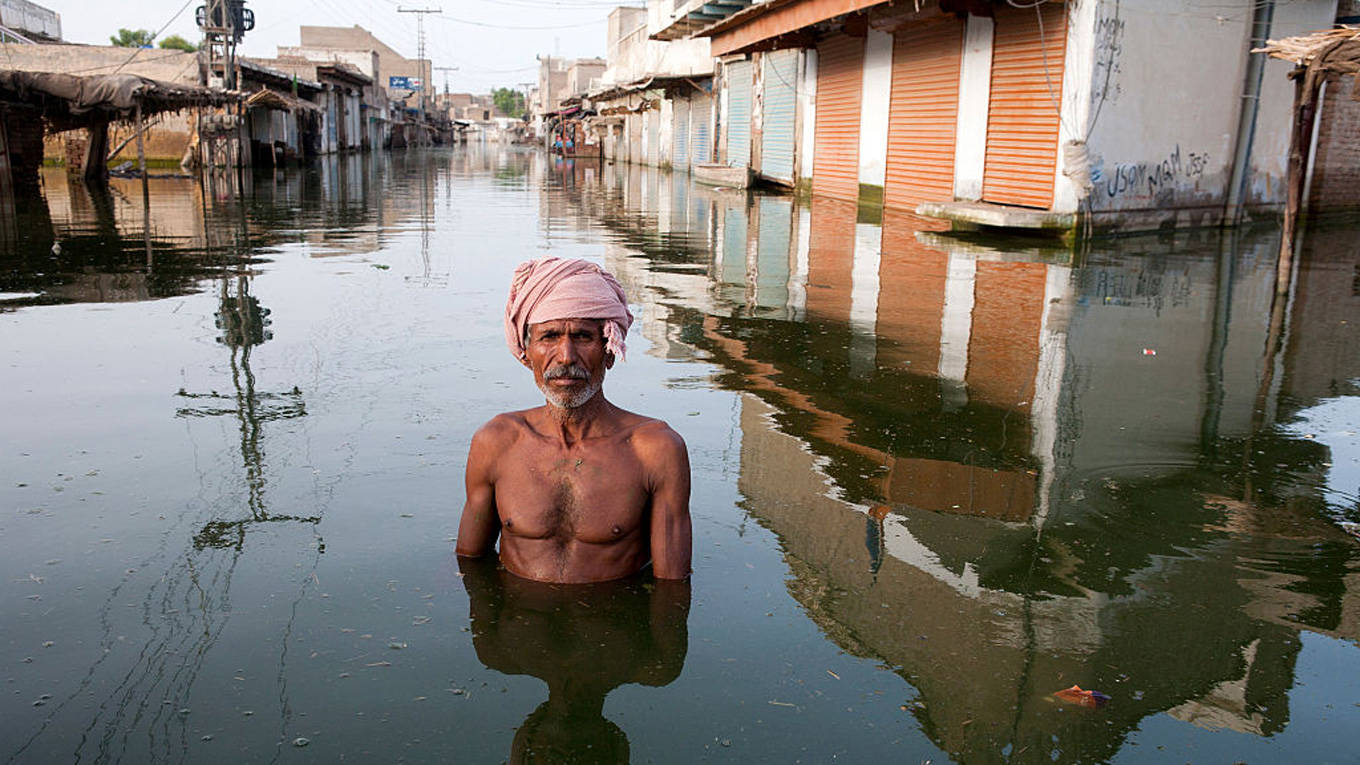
[96,167]
[146,190]
[141,147]
[1306,86]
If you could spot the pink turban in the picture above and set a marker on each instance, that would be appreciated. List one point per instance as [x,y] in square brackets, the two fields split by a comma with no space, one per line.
[549,289]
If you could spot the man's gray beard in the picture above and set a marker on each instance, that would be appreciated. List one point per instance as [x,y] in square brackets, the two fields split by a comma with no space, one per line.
[563,400]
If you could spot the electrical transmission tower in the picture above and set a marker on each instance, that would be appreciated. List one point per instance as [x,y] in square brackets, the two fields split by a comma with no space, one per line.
[224,23]
[420,51]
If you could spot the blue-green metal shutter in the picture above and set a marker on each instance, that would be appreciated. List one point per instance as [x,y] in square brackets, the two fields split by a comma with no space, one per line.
[739,114]
[680,135]
[780,74]
[700,124]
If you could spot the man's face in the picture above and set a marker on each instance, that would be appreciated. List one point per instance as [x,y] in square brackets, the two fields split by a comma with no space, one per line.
[568,359]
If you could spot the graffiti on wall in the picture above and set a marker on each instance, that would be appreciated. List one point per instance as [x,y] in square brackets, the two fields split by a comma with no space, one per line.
[1150,179]
[1109,50]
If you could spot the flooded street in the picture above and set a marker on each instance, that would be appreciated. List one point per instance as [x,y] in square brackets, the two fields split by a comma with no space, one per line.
[937,479]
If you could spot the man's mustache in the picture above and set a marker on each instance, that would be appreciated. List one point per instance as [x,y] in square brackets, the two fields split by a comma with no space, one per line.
[569,371]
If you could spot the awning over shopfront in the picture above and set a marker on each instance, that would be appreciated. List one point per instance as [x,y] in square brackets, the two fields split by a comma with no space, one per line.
[272,99]
[68,100]
[750,26]
[699,17]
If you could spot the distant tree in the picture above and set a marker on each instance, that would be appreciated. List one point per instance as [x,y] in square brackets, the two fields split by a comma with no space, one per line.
[508,101]
[132,38]
[175,42]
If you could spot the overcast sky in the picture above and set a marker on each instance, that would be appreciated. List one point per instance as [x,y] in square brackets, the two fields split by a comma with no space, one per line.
[492,42]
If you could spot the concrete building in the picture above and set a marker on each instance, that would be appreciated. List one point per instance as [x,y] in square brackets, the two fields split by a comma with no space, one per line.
[552,88]
[30,20]
[345,123]
[285,121]
[583,74]
[393,64]
[984,113]
[652,98]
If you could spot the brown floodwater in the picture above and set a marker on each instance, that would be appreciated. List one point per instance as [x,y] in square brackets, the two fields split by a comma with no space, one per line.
[938,480]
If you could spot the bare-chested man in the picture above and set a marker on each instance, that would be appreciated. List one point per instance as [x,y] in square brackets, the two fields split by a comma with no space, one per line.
[578,490]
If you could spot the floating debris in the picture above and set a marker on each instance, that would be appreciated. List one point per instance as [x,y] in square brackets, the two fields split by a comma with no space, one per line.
[301,741]
[1075,695]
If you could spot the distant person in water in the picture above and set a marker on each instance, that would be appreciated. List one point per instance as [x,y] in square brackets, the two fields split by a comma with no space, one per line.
[577,490]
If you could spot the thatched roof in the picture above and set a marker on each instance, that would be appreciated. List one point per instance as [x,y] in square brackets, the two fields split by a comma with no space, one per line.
[272,99]
[69,99]
[1333,50]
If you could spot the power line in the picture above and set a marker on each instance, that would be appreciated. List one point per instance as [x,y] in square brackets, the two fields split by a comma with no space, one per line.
[525,28]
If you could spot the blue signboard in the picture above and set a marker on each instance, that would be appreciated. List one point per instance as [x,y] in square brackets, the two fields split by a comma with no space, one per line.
[404,83]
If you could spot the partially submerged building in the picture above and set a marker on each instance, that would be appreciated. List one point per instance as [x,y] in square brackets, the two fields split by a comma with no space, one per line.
[1126,116]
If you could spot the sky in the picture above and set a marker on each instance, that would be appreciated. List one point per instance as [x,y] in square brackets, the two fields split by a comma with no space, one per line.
[492,42]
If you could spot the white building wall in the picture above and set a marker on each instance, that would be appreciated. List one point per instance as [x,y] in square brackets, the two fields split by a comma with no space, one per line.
[636,57]
[873,105]
[663,135]
[1071,183]
[975,84]
[363,60]
[1165,93]
[30,18]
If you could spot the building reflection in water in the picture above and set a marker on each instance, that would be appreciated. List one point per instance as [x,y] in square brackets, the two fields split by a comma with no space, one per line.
[1005,470]
[583,641]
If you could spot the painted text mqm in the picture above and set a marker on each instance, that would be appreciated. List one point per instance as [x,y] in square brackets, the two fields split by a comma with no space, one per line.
[1151,178]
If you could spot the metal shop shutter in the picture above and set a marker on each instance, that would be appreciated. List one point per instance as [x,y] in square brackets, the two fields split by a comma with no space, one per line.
[923,114]
[779,77]
[1022,121]
[739,114]
[680,135]
[840,74]
[700,129]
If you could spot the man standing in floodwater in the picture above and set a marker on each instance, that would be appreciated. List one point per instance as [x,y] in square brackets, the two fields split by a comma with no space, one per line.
[578,490]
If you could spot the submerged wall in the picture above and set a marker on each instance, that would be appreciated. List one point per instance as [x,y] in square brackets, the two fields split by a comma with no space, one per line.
[1166,85]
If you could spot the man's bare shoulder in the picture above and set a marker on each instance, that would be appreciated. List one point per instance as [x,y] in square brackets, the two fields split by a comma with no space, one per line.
[502,430]
[654,438]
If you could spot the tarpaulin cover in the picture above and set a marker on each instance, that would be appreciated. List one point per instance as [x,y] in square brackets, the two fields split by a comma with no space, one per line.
[106,92]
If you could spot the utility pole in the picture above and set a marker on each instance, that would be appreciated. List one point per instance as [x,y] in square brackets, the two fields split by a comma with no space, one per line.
[420,51]
[445,70]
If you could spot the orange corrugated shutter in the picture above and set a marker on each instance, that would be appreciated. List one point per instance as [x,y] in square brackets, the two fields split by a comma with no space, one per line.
[1022,121]
[840,77]
[924,114]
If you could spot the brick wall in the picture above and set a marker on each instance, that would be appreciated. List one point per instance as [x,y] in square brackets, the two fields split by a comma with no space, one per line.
[1336,165]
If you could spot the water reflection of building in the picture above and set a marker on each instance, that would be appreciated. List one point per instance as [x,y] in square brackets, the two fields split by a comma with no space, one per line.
[1002,474]
[85,243]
